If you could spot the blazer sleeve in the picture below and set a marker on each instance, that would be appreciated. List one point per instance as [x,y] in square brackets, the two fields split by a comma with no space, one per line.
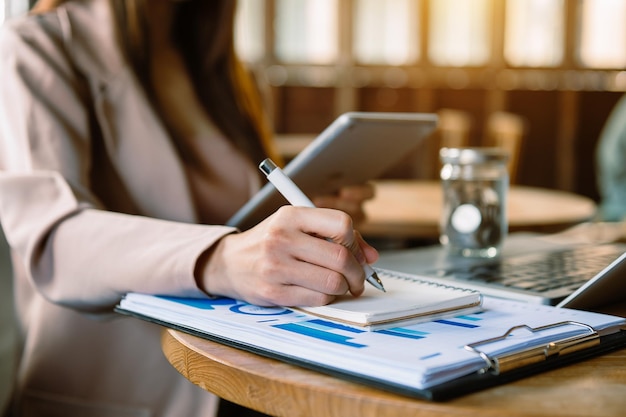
[75,252]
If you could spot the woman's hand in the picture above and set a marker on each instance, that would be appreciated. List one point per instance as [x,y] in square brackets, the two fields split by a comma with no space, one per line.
[297,256]
[349,199]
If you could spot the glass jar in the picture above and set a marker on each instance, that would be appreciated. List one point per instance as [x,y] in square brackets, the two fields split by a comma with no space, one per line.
[475,184]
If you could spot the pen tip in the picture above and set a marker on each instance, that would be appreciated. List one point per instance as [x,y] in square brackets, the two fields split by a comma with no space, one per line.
[379,282]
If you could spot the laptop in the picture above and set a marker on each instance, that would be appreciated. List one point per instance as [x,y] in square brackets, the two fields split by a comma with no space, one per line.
[532,268]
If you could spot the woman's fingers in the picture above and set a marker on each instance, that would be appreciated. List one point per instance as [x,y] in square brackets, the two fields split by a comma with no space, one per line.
[297,256]
[349,199]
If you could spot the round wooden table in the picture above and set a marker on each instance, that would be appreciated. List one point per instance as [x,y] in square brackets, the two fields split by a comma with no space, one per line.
[411,209]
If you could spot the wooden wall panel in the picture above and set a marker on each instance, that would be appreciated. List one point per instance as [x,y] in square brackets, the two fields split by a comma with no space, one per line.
[386,99]
[541,110]
[303,109]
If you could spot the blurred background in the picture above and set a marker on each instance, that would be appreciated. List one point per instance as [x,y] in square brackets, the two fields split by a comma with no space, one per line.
[558,65]
[553,68]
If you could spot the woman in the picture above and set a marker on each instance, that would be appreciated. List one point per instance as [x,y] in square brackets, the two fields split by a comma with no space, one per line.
[128,135]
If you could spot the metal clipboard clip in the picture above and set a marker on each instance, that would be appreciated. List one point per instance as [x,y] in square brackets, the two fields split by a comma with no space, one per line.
[509,361]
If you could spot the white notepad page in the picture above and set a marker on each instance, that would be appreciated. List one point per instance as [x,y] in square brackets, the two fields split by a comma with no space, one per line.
[408,299]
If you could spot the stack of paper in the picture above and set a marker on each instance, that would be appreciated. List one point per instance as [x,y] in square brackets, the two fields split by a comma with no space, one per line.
[412,357]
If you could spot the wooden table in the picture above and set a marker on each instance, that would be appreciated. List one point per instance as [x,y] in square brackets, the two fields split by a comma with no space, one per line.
[596,387]
[411,209]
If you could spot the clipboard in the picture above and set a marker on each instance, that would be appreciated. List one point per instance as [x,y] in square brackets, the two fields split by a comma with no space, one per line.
[539,353]
[522,364]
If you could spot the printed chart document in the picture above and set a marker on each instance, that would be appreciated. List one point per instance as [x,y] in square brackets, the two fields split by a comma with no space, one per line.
[408,299]
[415,360]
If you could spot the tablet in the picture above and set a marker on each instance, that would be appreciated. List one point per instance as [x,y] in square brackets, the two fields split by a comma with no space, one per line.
[355,148]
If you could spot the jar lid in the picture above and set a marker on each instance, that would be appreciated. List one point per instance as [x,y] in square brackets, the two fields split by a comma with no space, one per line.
[478,155]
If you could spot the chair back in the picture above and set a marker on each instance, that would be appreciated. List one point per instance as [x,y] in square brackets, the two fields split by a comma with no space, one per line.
[453,131]
[506,130]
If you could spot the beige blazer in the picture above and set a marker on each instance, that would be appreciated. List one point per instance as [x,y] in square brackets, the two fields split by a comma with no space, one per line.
[95,202]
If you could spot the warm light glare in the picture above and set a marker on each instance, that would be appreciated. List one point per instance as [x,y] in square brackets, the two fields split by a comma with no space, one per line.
[306,31]
[386,32]
[603,33]
[460,32]
[249,29]
[534,32]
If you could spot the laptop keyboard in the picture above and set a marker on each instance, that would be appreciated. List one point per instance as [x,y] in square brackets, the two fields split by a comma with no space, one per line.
[553,274]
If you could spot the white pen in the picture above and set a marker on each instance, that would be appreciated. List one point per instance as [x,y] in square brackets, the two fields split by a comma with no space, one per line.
[296,197]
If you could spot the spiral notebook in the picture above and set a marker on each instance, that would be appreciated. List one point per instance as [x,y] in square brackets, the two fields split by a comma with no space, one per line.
[408,299]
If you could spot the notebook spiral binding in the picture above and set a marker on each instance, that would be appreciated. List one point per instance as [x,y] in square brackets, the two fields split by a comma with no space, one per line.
[425,281]
[507,362]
